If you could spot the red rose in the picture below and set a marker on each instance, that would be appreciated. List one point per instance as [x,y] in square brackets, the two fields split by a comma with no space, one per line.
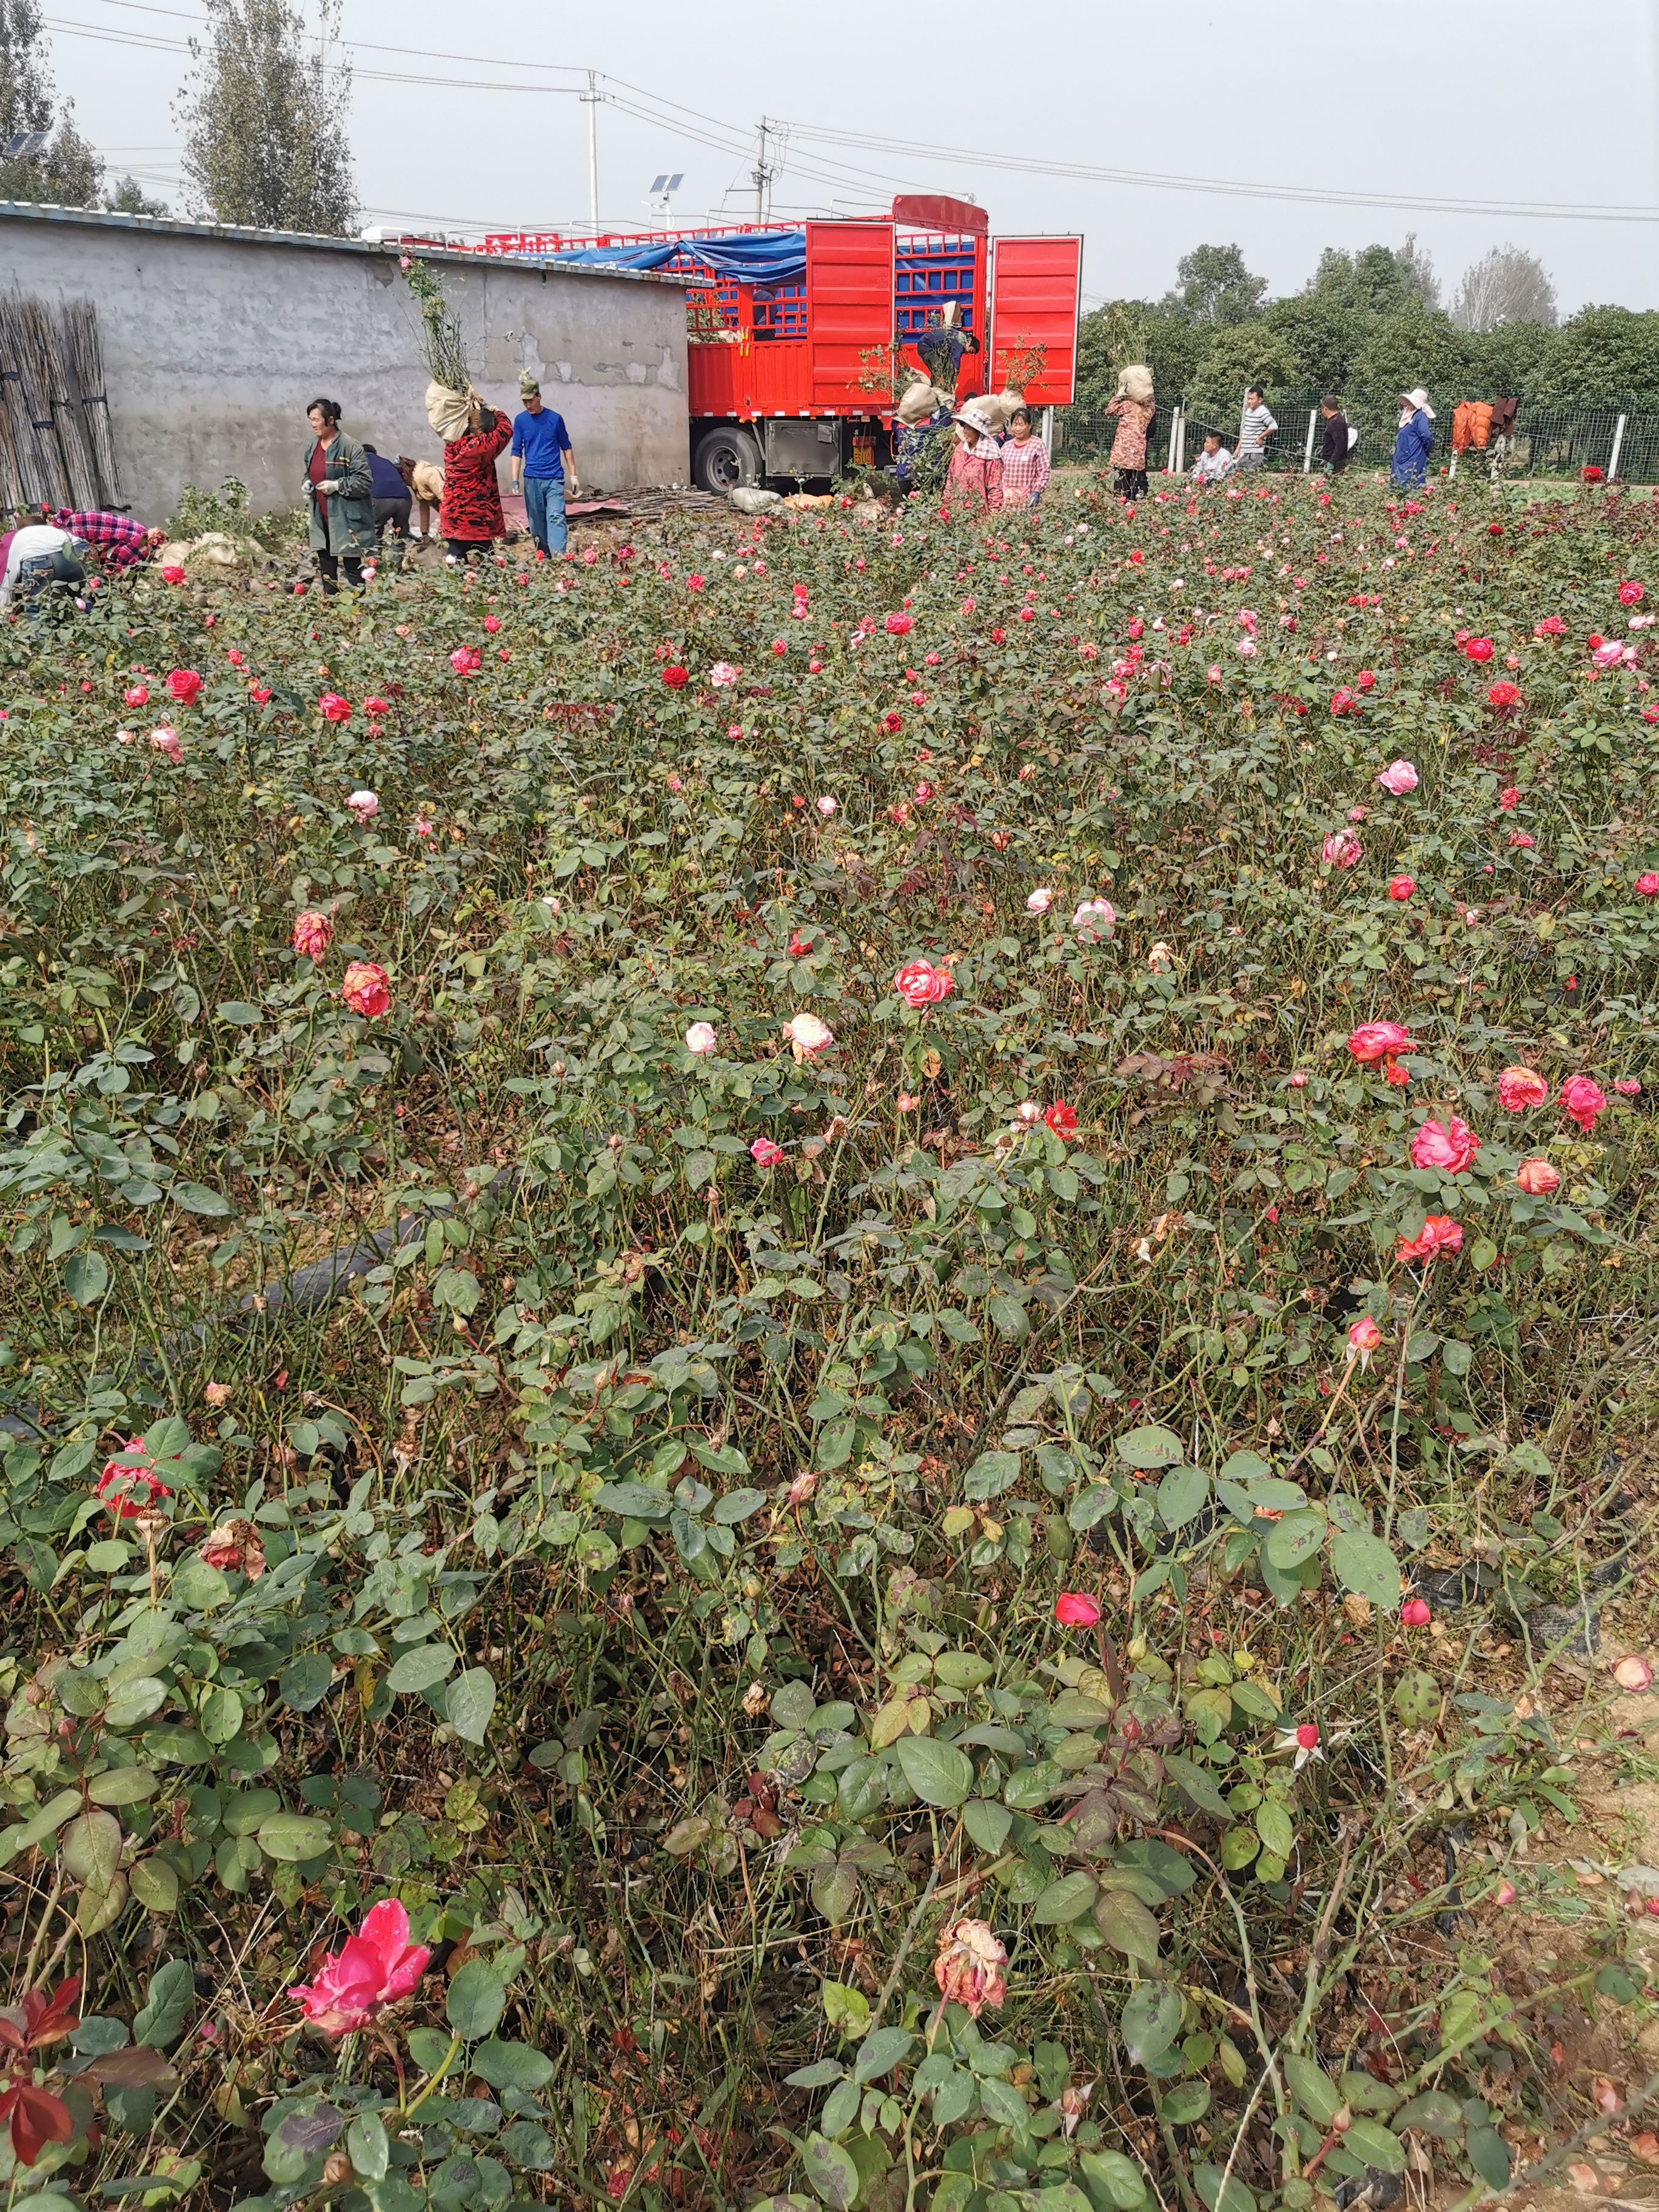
[1076,1609]
[183,684]
[675,678]
[1062,1120]
[366,989]
[1438,1234]
[333,707]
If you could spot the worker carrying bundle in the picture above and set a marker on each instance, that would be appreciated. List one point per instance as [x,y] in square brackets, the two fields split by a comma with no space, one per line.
[923,415]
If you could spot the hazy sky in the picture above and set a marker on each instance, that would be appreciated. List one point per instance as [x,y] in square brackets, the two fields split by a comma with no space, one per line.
[1508,102]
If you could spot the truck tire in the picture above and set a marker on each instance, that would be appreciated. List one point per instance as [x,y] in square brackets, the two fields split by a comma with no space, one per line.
[726,458]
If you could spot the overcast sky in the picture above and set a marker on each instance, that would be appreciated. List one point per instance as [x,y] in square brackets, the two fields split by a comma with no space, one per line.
[1510,102]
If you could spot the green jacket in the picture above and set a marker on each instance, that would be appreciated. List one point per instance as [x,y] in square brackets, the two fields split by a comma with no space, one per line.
[351,509]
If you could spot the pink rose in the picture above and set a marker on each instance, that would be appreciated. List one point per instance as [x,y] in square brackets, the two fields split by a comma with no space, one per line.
[1582,1100]
[366,989]
[183,684]
[919,983]
[764,1154]
[1519,1090]
[334,708]
[370,1970]
[1538,1178]
[1375,1040]
[969,1967]
[313,933]
[1040,900]
[1363,1338]
[1448,1147]
[700,1038]
[1341,849]
[364,805]
[1399,777]
[1076,1609]
[1094,919]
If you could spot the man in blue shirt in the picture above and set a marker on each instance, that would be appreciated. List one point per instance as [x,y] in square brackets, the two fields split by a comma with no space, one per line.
[392,505]
[540,448]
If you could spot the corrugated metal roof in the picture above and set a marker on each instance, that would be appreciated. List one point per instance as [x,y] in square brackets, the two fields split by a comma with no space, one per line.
[248,234]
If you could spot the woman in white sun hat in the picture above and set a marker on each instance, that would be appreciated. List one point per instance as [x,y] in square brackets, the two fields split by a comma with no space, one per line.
[974,483]
[1415,441]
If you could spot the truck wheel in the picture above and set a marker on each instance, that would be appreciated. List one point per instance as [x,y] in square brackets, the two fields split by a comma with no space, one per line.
[726,459]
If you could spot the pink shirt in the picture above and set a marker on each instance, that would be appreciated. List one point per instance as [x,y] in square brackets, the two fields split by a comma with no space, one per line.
[1024,472]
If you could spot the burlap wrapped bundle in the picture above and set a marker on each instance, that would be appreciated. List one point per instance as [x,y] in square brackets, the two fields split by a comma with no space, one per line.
[1136,383]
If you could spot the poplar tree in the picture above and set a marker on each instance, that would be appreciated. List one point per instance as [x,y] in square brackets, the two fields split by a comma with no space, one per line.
[264,120]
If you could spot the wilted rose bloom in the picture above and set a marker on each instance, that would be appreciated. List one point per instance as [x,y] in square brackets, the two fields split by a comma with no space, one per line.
[1343,701]
[1363,1338]
[1062,1120]
[1399,777]
[700,1038]
[1298,1079]
[808,1034]
[1402,887]
[1538,1178]
[1076,1609]
[1628,1087]
[1094,919]
[377,706]
[167,741]
[826,807]
[365,805]
[372,1970]
[1508,798]
[1582,1100]
[1040,900]
[919,983]
[764,1154]
[722,675]
[1519,1090]
[1448,1147]
[366,989]
[1341,849]
[1028,1113]
[969,1967]
[183,684]
[466,660]
[1519,840]
[125,1493]
[1633,1674]
[1438,1234]
[1375,1040]
[313,933]
[334,708]
[135,695]
[236,1547]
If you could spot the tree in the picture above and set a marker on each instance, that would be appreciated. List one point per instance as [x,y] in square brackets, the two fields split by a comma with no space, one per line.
[64,170]
[1377,279]
[129,197]
[1216,286]
[1505,286]
[264,121]
[1238,354]
[1126,331]
[1604,350]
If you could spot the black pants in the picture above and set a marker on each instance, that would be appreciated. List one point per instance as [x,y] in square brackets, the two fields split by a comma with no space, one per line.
[458,548]
[1131,483]
[329,566]
[393,514]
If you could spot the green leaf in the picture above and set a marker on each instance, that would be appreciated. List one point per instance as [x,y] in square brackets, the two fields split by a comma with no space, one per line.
[1364,1564]
[1183,1494]
[197,1198]
[737,1505]
[1127,1925]
[1313,2089]
[304,1682]
[937,1772]
[91,1849]
[477,2000]
[1066,1899]
[987,1823]
[86,1277]
[1221,2190]
[293,1837]
[1272,1825]
[831,2173]
[512,2066]
[991,1473]
[1151,1447]
[820,2075]
[880,2052]
[155,1883]
[1435,2113]
[161,2019]
[470,1702]
[367,2147]
[634,1500]
[122,1785]
[1151,2020]
[1186,2102]
[1118,2179]
[422,1668]
[1377,2145]
[1195,1784]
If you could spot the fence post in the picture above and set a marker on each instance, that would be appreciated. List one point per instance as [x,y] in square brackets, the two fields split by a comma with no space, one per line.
[1172,458]
[1307,455]
[1048,432]
[1618,448]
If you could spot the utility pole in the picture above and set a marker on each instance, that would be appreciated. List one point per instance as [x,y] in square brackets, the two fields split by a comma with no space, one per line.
[591,101]
[761,175]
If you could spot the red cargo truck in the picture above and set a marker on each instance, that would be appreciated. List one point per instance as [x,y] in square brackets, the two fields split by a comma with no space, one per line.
[794,327]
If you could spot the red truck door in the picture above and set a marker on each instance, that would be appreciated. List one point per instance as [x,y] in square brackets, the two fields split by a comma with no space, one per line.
[1034,284]
[849,314]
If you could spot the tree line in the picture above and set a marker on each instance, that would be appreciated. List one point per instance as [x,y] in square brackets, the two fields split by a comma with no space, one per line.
[1370,322]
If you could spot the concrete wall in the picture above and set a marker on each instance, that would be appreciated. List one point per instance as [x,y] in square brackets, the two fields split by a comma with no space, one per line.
[215,341]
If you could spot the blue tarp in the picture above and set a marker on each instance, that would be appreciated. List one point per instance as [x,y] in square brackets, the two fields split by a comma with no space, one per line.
[756,258]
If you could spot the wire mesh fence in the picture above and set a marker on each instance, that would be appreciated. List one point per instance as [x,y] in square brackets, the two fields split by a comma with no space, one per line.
[1552,437]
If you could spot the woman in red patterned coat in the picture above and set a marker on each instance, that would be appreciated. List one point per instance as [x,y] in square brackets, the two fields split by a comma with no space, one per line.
[471,516]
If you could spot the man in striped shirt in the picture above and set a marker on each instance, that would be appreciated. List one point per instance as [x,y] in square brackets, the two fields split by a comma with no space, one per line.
[117,537]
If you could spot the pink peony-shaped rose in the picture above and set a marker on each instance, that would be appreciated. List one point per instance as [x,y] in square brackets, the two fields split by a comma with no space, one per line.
[466,660]
[313,933]
[366,989]
[899,625]
[969,1967]
[722,675]
[1399,777]
[1375,1040]
[1341,849]
[919,983]
[1519,1090]
[700,1038]
[363,805]
[183,684]
[808,1036]
[1448,1146]
[1582,1100]
[1538,1178]
[764,1154]
[370,1970]
[167,741]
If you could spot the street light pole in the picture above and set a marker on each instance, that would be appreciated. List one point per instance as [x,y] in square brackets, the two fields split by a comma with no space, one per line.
[590,99]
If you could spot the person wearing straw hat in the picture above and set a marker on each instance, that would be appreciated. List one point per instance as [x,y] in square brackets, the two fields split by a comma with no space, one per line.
[974,483]
[922,413]
[1415,440]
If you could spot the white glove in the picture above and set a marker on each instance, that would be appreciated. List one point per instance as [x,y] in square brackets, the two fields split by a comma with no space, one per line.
[328,485]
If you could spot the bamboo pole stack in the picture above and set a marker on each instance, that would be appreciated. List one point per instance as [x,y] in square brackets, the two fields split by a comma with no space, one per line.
[56,446]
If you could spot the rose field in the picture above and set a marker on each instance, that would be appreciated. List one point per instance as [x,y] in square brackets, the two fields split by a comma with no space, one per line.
[828,1367]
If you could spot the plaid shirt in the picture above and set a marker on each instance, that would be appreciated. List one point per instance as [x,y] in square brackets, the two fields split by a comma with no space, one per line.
[118,536]
[1024,472]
